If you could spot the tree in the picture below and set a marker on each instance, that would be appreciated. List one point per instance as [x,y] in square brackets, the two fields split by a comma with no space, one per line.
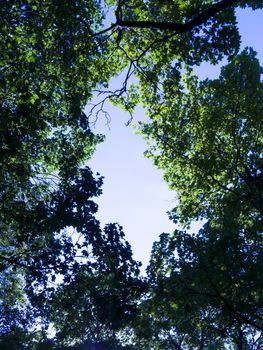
[208,141]
[45,140]
[55,56]
[157,40]
[206,288]
[52,59]
[98,303]
[16,319]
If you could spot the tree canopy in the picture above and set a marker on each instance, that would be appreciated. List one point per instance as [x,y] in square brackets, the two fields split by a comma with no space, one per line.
[209,140]
[59,269]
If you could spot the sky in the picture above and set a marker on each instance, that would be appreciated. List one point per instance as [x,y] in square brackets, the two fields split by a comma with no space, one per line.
[134,192]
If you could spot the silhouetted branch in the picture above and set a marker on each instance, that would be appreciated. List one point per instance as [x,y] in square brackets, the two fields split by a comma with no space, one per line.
[176,27]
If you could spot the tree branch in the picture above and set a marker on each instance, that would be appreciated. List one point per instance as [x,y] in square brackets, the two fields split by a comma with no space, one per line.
[244,319]
[177,27]
[15,262]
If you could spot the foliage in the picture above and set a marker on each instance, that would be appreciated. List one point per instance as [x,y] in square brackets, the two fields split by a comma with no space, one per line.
[45,135]
[159,38]
[53,57]
[206,288]
[208,141]
[48,71]
[99,301]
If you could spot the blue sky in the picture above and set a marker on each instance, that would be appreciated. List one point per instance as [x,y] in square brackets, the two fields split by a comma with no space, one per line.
[134,193]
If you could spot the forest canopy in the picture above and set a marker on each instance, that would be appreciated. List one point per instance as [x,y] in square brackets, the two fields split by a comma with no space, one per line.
[65,281]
